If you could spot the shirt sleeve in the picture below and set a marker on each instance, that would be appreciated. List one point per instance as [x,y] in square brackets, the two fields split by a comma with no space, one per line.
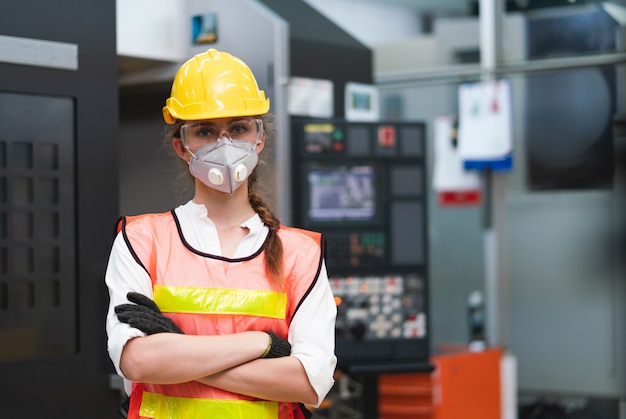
[312,336]
[123,274]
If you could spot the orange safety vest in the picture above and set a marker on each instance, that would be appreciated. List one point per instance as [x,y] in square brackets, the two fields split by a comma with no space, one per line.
[188,284]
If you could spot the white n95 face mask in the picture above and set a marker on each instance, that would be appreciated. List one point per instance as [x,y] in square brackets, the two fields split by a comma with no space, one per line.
[224,165]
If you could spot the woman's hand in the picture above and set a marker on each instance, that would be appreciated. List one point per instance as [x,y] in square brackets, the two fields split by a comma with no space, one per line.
[145,315]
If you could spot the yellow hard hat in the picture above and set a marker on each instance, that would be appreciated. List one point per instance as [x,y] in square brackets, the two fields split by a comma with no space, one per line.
[214,84]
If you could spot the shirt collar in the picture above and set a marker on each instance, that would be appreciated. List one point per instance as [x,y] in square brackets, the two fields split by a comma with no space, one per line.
[254,223]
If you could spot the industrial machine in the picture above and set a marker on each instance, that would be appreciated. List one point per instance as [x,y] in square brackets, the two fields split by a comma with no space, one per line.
[362,184]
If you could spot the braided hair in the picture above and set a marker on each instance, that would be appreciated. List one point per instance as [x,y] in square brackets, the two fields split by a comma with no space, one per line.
[274,249]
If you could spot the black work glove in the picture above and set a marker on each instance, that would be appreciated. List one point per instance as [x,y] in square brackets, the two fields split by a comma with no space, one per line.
[145,315]
[278,347]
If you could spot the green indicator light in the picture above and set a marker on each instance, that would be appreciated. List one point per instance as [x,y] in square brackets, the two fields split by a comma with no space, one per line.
[338,135]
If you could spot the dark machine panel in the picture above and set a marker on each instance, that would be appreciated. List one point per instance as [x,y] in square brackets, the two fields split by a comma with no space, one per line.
[362,185]
[569,143]
[37,237]
[58,200]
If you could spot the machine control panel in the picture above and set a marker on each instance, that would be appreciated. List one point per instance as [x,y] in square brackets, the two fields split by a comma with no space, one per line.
[380,307]
[363,185]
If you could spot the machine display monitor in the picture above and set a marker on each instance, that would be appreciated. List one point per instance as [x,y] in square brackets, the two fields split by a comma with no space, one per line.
[341,193]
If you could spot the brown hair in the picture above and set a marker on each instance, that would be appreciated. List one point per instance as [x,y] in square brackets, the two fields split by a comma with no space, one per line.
[274,248]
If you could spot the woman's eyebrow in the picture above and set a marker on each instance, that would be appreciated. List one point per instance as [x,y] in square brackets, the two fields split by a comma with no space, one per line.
[205,124]
[214,124]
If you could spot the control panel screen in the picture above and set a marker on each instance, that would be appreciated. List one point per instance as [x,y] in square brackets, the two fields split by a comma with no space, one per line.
[341,193]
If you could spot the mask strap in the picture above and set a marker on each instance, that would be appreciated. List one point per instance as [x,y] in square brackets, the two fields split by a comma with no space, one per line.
[190,152]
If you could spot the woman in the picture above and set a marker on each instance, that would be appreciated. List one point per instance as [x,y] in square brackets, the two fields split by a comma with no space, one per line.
[216,310]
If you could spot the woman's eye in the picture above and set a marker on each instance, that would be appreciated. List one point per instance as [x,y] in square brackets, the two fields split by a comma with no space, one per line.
[238,128]
[205,132]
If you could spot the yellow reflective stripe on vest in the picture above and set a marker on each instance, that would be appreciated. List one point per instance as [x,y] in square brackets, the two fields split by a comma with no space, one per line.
[158,406]
[258,303]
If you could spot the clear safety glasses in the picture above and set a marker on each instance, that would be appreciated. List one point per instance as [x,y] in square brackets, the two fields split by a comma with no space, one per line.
[206,132]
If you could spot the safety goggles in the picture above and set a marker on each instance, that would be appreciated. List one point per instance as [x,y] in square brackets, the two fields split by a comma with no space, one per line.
[206,132]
